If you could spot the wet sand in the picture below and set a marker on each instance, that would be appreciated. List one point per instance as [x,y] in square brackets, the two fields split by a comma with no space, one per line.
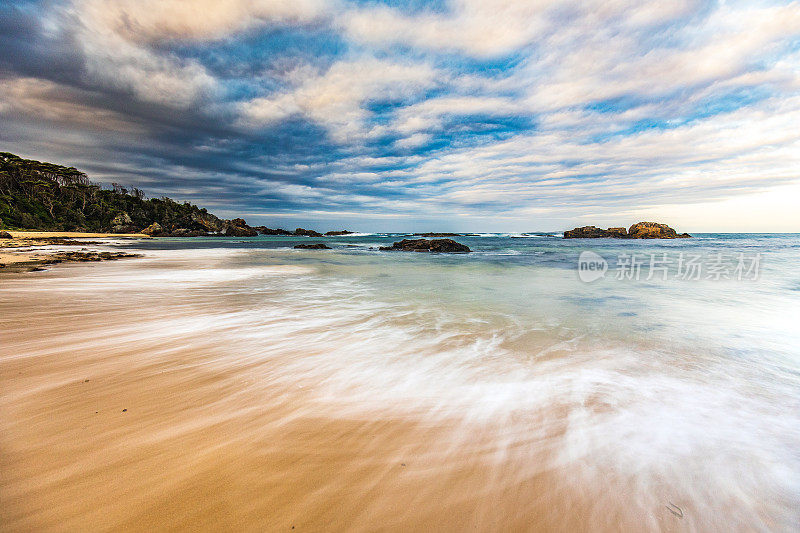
[109,441]
[23,252]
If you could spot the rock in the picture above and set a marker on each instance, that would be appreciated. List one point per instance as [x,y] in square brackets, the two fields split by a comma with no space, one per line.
[307,232]
[122,219]
[263,230]
[153,229]
[125,229]
[586,232]
[237,231]
[207,222]
[238,228]
[313,246]
[423,245]
[122,223]
[653,230]
[5,235]
[334,233]
[185,232]
[640,230]
[83,257]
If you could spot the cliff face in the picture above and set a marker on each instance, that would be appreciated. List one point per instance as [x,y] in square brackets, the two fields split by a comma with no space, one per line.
[44,196]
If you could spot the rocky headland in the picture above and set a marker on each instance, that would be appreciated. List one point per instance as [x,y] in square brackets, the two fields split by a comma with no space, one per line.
[640,230]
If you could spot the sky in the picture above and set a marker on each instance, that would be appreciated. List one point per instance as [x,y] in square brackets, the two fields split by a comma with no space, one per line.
[460,115]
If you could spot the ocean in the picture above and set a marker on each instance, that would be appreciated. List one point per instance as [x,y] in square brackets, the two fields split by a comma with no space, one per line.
[536,383]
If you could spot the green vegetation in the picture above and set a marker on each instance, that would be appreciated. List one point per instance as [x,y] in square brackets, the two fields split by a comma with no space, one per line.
[44,196]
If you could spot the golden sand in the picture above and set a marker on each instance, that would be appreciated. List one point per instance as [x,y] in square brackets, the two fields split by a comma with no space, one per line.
[71,234]
[19,251]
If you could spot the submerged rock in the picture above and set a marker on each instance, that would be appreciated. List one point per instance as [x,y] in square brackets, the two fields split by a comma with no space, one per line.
[313,246]
[83,257]
[423,245]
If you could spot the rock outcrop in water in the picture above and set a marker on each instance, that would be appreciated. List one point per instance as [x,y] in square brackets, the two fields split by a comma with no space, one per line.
[653,230]
[447,246]
[587,232]
[640,230]
[300,232]
[263,230]
[307,232]
[313,246]
[238,228]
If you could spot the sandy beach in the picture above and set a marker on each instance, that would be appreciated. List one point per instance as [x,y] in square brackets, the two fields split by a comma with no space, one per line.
[23,252]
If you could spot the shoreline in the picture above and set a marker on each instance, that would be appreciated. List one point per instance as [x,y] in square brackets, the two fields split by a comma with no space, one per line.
[20,253]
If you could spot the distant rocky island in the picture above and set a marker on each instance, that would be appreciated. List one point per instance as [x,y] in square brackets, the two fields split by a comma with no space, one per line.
[640,230]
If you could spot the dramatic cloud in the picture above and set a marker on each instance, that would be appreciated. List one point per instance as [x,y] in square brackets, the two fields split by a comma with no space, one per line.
[337,98]
[459,114]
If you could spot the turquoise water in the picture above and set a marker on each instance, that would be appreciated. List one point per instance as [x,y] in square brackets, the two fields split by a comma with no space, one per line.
[535,280]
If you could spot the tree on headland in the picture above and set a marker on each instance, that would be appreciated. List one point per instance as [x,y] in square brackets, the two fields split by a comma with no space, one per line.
[45,196]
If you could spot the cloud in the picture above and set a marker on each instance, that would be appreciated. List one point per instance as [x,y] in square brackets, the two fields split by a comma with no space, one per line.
[493,27]
[34,100]
[336,99]
[147,21]
[580,68]
[414,140]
